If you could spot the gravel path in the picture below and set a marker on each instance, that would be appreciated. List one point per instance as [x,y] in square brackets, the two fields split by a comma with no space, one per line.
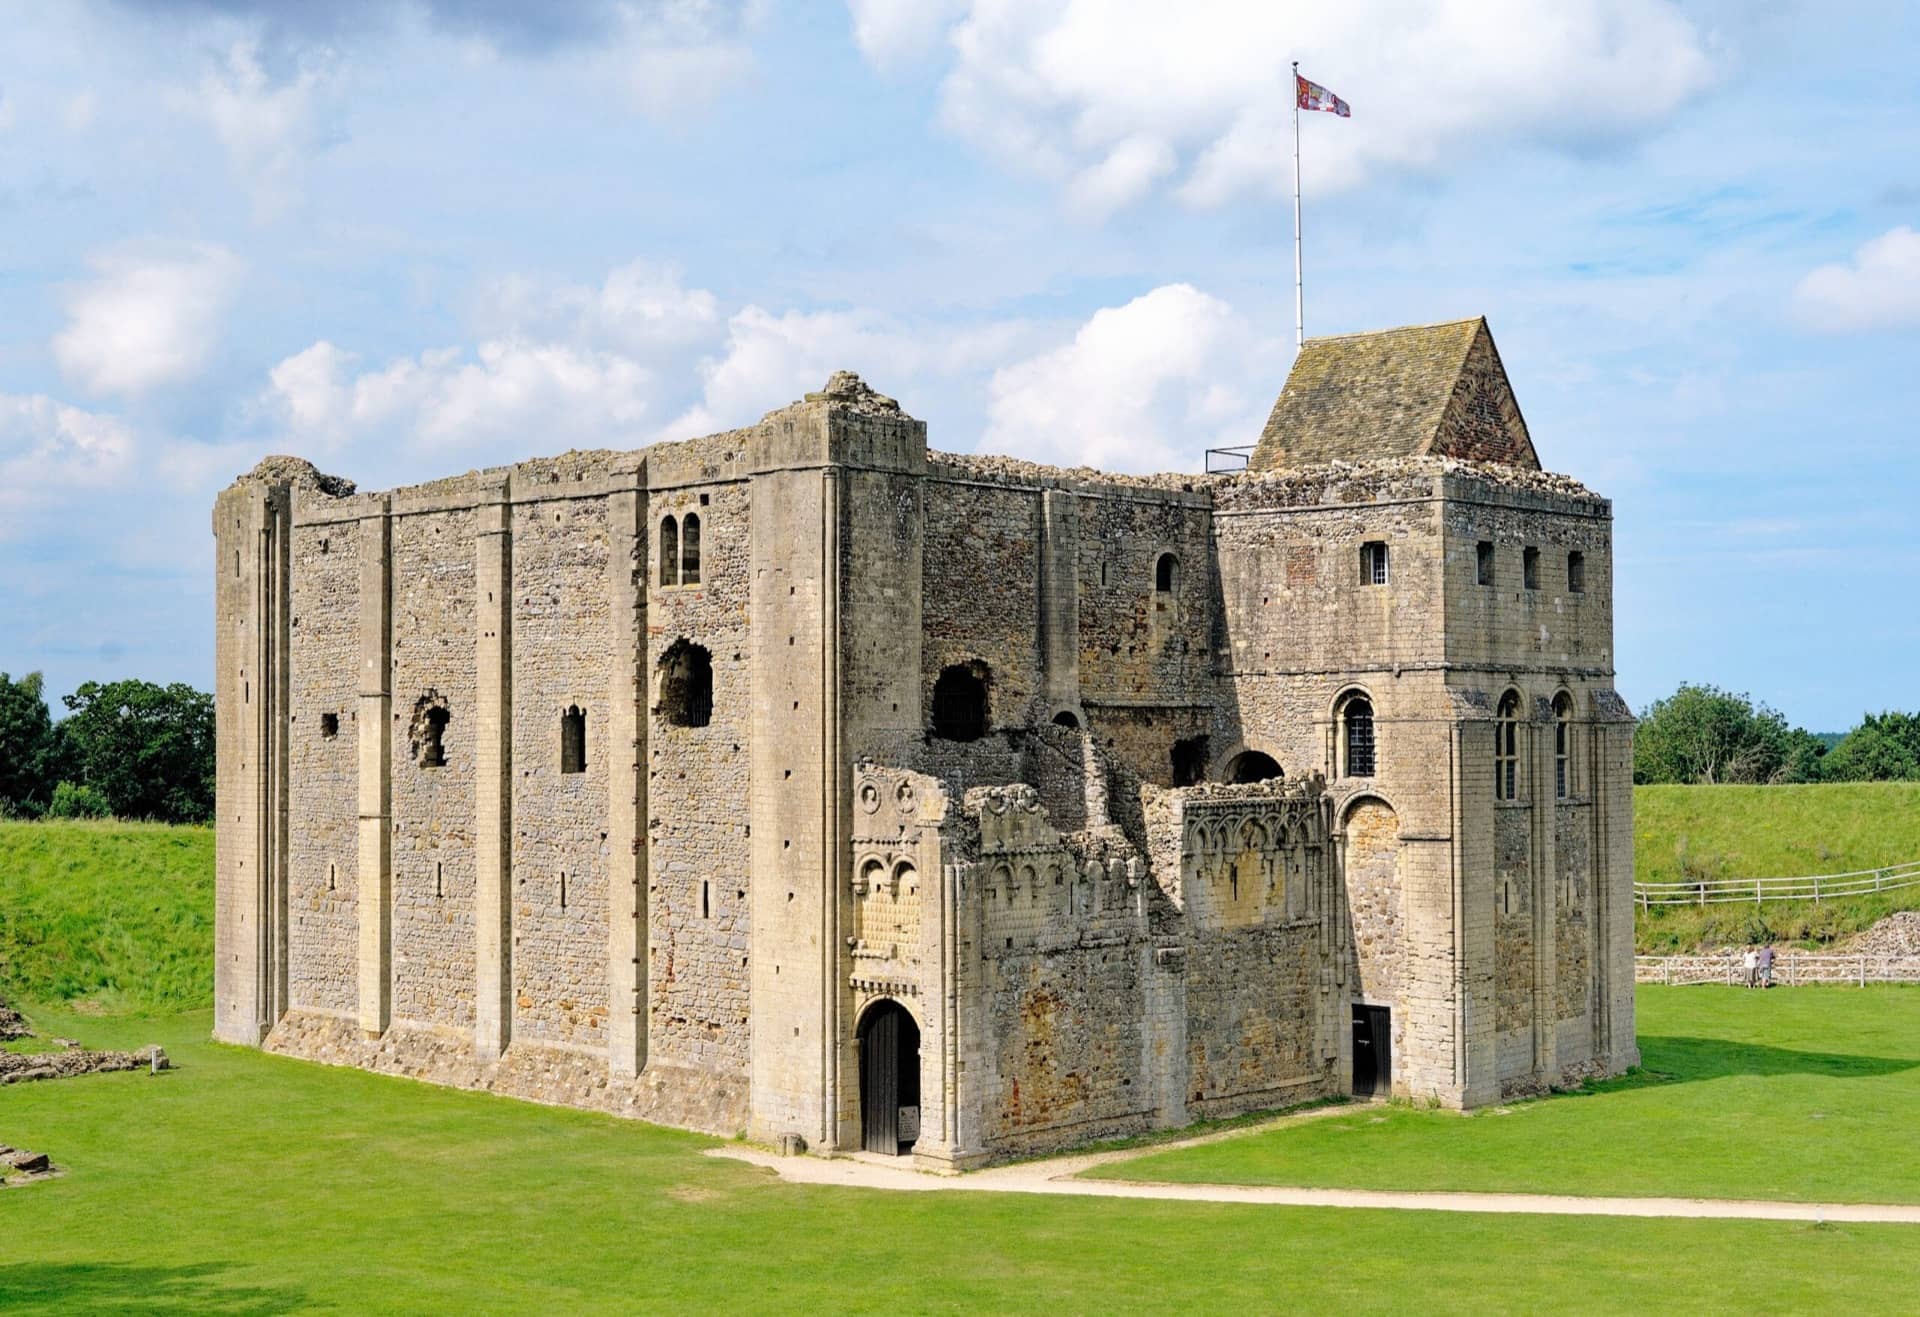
[1056,1176]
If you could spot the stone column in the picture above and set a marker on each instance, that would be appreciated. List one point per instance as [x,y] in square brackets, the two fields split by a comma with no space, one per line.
[1545,867]
[493,771]
[627,776]
[375,771]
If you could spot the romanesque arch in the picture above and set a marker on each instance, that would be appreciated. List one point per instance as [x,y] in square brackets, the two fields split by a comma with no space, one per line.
[889,1041]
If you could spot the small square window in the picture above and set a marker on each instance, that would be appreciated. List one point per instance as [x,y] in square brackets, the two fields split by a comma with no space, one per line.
[1577,572]
[1530,568]
[1373,563]
[1483,553]
[329,725]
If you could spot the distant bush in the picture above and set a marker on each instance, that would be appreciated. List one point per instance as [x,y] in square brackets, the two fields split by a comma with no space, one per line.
[73,800]
[1702,735]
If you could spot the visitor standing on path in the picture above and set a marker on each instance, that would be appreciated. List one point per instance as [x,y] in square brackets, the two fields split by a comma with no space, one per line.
[1752,963]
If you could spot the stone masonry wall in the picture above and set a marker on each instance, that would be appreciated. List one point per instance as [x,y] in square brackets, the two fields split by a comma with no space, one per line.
[434,973]
[697,793]
[561,646]
[322,824]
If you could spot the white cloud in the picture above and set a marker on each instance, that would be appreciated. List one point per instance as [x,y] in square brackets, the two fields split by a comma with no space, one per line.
[150,317]
[1141,387]
[48,448]
[6,110]
[893,33]
[770,360]
[1110,101]
[1878,289]
[638,308]
[266,129]
[79,111]
[506,397]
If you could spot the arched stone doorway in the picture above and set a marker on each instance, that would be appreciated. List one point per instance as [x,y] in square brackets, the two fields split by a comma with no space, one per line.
[889,1079]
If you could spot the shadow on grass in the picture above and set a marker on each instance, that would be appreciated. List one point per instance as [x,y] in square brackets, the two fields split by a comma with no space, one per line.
[1680,1060]
[66,1287]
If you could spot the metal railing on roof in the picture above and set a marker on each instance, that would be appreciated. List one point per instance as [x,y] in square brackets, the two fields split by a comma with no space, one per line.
[1234,458]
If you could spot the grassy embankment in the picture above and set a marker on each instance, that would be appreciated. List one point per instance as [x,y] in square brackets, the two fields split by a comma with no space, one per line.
[112,917]
[1692,833]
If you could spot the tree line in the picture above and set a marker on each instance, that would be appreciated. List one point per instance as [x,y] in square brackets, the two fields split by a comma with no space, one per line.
[1704,735]
[130,749]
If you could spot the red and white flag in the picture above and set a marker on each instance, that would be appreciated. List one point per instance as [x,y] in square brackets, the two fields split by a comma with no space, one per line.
[1312,96]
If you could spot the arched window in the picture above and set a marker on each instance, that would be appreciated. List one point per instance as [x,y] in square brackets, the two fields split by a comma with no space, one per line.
[1068,719]
[573,740]
[1166,575]
[429,729]
[686,684]
[690,549]
[1506,747]
[1252,766]
[669,551]
[1356,737]
[1562,746]
[960,702]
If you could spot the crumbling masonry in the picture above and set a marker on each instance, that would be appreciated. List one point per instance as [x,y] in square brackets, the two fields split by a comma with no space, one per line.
[804,781]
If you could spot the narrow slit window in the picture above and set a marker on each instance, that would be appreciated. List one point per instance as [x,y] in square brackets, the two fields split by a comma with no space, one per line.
[1506,743]
[1483,556]
[1530,568]
[1577,572]
[669,551]
[1373,563]
[563,889]
[690,549]
[706,899]
[1562,746]
[573,740]
[439,879]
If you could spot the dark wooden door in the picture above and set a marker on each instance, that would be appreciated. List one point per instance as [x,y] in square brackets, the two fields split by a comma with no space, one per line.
[1372,1050]
[880,1082]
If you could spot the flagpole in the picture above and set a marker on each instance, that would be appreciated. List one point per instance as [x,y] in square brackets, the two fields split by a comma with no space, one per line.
[1299,294]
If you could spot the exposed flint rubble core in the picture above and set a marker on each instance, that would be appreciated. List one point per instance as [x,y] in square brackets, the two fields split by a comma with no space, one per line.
[918,817]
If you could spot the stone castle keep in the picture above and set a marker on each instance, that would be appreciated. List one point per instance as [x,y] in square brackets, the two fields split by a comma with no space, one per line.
[805,781]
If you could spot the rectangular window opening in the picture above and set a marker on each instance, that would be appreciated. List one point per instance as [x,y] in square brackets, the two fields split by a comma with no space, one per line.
[1373,563]
[1530,568]
[1484,557]
[1577,572]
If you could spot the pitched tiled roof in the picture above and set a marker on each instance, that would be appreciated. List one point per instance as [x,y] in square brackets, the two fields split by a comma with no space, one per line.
[1395,393]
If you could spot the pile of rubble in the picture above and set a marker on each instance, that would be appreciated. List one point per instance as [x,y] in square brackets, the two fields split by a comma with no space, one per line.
[1896,935]
[72,1059]
[17,1165]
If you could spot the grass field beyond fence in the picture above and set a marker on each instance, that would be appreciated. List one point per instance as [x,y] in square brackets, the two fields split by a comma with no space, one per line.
[1698,834]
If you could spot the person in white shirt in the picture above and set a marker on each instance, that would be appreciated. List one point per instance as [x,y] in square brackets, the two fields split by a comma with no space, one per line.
[1752,962]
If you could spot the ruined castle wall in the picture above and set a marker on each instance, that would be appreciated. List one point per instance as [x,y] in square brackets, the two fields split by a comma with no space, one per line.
[322,923]
[1253,1021]
[981,591]
[561,651]
[698,778]
[433,807]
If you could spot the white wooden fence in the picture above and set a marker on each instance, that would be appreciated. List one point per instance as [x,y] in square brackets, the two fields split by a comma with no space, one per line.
[1790,968]
[1817,887]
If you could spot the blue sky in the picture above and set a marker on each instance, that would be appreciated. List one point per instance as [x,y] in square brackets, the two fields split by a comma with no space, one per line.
[406,240]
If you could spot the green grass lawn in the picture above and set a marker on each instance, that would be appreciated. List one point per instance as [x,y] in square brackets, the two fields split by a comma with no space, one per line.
[246,1183]
[1801,1093]
[118,916]
[1682,833]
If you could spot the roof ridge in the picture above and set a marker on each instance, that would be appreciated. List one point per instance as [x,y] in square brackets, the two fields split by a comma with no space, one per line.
[1396,329]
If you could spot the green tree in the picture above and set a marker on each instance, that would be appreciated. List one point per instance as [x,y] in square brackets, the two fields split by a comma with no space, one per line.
[26,745]
[1885,747]
[1702,734]
[146,749]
